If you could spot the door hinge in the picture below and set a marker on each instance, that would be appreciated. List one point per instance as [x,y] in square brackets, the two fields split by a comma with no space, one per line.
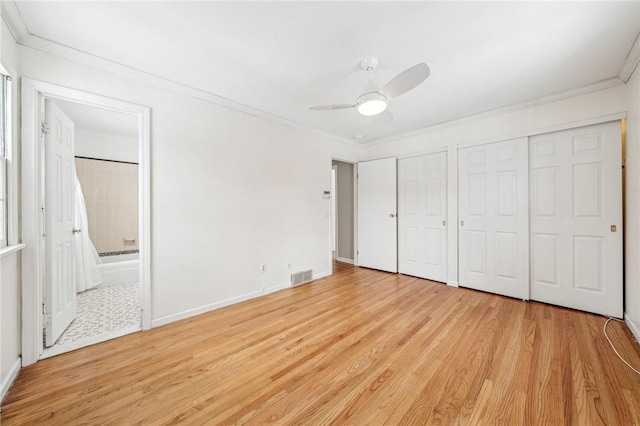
[44,128]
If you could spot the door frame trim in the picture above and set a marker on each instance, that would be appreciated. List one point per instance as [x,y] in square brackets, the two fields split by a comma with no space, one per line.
[354,163]
[33,94]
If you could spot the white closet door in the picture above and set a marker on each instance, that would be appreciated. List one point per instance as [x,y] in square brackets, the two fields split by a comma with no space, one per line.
[377,222]
[422,214]
[576,218]
[493,214]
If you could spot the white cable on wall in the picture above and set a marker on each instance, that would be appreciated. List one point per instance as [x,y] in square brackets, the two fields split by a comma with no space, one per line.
[604,330]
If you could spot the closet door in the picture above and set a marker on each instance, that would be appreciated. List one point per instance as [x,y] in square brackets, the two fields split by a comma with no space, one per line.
[422,214]
[576,218]
[493,214]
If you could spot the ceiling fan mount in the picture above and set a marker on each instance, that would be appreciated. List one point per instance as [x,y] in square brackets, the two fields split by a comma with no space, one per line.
[376,100]
[369,64]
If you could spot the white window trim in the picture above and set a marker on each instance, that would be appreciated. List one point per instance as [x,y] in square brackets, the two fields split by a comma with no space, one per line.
[13,239]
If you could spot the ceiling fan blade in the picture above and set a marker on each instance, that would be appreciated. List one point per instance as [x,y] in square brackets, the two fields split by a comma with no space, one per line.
[331,107]
[385,118]
[406,80]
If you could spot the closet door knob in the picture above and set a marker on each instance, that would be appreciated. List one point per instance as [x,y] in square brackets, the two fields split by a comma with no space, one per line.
[76,230]
[392,215]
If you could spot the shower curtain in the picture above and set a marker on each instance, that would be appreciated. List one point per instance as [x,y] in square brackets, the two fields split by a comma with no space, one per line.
[87,259]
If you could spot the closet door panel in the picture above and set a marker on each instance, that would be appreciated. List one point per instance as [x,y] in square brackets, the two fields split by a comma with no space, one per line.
[576,218]
[493,212]
[422,214]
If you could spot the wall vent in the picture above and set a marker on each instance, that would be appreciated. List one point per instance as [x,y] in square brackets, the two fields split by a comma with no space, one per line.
[301,277]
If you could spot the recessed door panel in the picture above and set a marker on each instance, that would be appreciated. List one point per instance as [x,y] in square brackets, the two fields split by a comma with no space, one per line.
[544,189]
[427,173]
[545,256]
[576,254]
[587,263]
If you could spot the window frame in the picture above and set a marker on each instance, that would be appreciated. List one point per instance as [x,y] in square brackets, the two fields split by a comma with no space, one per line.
[5,151]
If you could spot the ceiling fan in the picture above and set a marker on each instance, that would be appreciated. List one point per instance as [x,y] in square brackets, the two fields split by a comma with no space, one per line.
[376,100]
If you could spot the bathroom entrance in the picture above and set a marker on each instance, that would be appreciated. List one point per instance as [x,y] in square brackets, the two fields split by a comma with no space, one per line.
[91,285]
[85,219]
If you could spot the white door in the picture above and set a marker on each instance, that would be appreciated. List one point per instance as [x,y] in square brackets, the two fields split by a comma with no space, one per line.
[377,226]
[576,218]
[493,214]
[422,215]
[60,275]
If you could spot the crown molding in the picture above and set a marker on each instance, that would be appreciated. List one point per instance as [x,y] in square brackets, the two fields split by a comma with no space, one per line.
[23,36]
[11,16]
[602,85]
[631,61]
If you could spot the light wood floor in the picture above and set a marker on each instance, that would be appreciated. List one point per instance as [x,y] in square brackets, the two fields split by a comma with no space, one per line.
[361,347]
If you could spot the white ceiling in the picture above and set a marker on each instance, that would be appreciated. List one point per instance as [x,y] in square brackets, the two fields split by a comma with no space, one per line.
[99,119]
[279,58]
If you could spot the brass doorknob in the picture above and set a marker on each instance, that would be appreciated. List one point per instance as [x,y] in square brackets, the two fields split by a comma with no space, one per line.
[392,215]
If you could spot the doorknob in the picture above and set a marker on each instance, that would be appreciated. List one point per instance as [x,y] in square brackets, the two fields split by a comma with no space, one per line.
[392,215]
[76,230]
[462,223]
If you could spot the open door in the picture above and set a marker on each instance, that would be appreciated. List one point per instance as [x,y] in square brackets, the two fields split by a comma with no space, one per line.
[377,222]
[60,276]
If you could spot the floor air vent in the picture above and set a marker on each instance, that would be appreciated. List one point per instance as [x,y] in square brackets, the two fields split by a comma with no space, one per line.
[301,277]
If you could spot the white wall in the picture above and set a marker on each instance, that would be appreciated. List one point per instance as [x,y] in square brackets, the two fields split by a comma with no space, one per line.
[10,328]
[105,146]
[10,319]
[229,191]
[632,214]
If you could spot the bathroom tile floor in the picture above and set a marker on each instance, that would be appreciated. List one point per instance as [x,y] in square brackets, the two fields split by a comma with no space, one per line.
[103,310]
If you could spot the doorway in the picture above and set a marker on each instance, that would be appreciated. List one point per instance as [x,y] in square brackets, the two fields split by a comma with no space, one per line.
[100,287]
[36,95]
[342,213]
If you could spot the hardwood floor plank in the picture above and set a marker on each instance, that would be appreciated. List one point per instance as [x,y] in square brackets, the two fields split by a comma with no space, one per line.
[360,347]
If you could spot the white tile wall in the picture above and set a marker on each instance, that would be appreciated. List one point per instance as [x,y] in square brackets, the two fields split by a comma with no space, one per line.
[111,195]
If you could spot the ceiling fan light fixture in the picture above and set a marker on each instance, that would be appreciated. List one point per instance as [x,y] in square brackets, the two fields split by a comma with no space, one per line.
[371,103]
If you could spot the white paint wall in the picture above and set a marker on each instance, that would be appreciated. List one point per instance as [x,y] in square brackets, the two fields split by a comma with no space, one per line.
[10,328]
[106,146]
[229,192]
[10,318]
[632,214]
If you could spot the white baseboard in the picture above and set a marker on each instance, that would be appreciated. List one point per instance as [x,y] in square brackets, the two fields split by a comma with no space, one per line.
[322,275]
[344,260]
[8,381]
[275,288]
[634,330]
[216,305]
[452,283]
[203,309]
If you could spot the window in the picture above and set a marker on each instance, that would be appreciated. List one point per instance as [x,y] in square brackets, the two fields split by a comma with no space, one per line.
[5,123]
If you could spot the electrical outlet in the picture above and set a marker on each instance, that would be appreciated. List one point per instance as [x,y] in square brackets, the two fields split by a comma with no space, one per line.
[288,265]
[263,267]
